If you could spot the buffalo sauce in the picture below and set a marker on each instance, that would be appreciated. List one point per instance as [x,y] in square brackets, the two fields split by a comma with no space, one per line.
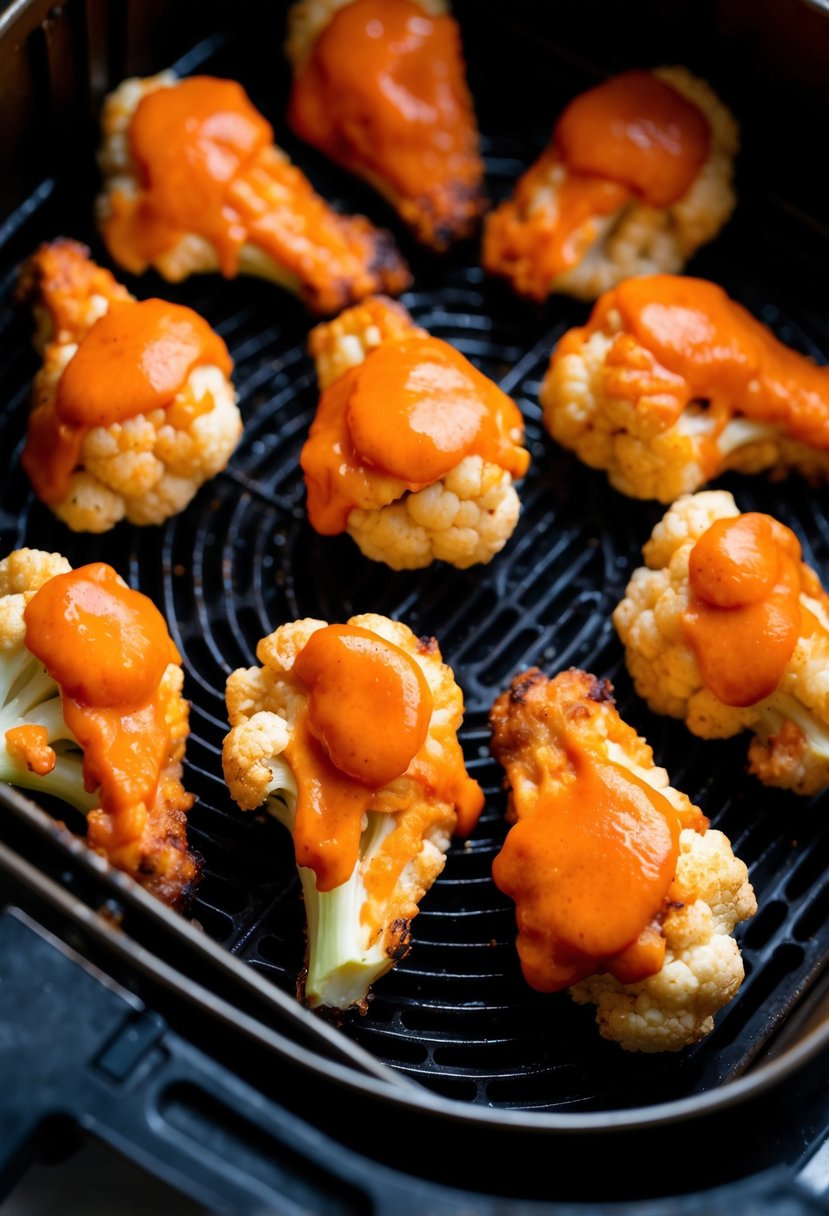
[712,349]
[365,723]
[133,360]
[31,743]
[383,92]
[207,168]
[637,130]
[534,243]
[589,868]
[107,647]
[412,410]
[744,616]
[633,135]
[190,142]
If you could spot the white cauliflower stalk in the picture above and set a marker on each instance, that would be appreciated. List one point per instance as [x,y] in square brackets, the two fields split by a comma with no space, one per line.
[28,694]
[466,517]
[144,468]
[39,752]
[790,727]
[354,936]
[538,726]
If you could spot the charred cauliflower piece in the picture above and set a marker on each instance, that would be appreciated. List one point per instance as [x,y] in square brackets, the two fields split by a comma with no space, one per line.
[402,505]
[735,677]
[380,88]
[623,894]
[92,713]
[671,384]
[193,183]
[637,177]
[108,438]
[322,737]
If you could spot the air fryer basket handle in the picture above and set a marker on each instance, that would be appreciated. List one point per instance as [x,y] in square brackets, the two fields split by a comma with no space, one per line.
[75,1044]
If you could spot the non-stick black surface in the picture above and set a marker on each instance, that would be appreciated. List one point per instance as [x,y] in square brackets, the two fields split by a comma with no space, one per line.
[456,1014]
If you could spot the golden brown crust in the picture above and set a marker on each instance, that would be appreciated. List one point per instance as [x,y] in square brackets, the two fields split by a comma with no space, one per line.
[159,859]
[345,341]
[61,280]
[533,719]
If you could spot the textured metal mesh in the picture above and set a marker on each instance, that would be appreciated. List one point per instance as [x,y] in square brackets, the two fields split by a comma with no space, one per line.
[455,1014]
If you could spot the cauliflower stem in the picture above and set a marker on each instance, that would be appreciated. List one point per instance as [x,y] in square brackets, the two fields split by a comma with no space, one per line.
[28,696]
[358,925]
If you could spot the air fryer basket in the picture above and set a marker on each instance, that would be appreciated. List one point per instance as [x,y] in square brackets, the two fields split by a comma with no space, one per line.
[454,1018]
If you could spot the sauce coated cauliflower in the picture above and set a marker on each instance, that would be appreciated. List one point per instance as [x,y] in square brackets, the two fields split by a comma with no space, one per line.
[126,777]
[143,468]
[666,405]
[359,928]
[790,727]
[542,731]
[600,246]
[464,517]
[380,87]
[201,188]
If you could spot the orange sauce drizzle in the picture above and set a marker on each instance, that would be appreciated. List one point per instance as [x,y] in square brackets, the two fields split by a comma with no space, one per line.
[590,869]
[31,743]
[631,135]
[134,359]
[412,410]
[207,166]
[710,348]
[384,92]
[744,616]
[637,130]
[365,724]
[532,243]
[367,716]
[190,143]
[107,648]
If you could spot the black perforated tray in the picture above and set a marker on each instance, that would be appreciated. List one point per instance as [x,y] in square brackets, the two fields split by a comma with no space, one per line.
[455,1015]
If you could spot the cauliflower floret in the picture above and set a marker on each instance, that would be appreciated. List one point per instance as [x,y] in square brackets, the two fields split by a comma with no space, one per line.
[144,468]
[466,517]
[790,747]
[437,187]
[605,397]
[39,751]
[703,967]
[635,238]
[542,731]
[272,224]
[360,928]
[22,573]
